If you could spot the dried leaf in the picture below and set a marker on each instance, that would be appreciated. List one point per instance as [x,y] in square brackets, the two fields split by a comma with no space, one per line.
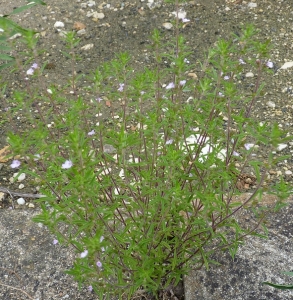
[3,154]
[78,26]
[108,103]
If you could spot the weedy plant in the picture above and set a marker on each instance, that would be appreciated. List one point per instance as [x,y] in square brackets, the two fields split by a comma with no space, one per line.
[9,31]
[140,178]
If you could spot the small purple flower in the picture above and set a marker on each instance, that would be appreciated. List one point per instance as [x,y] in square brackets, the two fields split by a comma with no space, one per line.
[34,66]
[248,146]
[90,288]
[67,164]
[221,94]
[184,20]
[91,132]
[121,87]
[171,85]
[169,142]
[182,82]
[55,242]
[270,64]
[236,153]
[99,264]
[15,164]
[84,254]
[99,99]
[242,62]
[30,71]
[226,77]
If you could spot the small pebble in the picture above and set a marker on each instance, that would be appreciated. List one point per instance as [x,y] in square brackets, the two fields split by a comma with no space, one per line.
[21,186]
[21,177]
[59,24]
[2,196]
[271,104]
[31,205]
[281,147]
[249,74]
[287,65]
[252,5]
[20,201]
[168,25]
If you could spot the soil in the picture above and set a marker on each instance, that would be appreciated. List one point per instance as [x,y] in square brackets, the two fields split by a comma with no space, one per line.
[127,26]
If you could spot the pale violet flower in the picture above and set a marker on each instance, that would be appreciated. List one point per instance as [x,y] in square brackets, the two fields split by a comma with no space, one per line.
[30,71]
[91,132]
[90,288]
[171,85]
[99,264]
[221,94]
[270,64]
[184,20]
[182,82]
[180,14]
[121,87]
[84,254]
[242,62]
[55,242]
[67,164]
[99,99]
[15,164]
[169,142]
[248,146]
[236,153]
[142,92]
[226,77]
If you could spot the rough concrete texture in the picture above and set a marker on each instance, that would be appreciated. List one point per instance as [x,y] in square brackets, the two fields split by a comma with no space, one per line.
[258,260]
[30,262]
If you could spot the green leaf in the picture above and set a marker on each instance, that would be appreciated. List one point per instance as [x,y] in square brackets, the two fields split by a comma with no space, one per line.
[279,286]
[24,7]
[6,65]
[6,57]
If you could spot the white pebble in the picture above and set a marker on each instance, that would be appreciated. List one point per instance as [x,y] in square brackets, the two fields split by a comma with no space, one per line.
[91,3]
[20,201]
[21,186]
[252,5]
[287,65]
[21,177]
[271,104]
[59,24]
[31,205]
[249,74]
[2,196]
[167,25]
[281,147]
[99,16]
[87,47]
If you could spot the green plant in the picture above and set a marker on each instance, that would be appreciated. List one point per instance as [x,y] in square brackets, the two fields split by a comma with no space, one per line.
[8,29]
[281,286]
[140,177]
